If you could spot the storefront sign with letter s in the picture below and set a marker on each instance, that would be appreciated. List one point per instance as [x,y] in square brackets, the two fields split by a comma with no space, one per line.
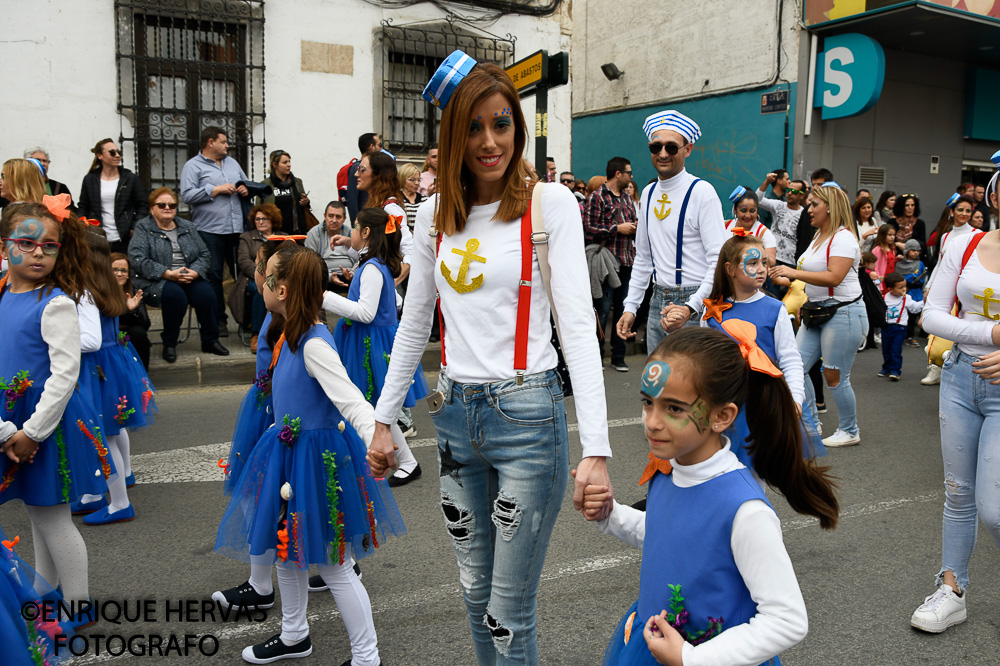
[849,75]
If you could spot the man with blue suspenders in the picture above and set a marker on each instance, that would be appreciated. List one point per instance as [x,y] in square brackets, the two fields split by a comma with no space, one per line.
[680,231]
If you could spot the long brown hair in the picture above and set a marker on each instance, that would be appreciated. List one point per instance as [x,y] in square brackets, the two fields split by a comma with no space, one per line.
[882,237]
[118,256]
[731,253]
[71,263]
[380,244]
[303,277]
[23,180]
[385,180]
[264,254]
[100,279]
[99,150]
[455,185]
[721,377]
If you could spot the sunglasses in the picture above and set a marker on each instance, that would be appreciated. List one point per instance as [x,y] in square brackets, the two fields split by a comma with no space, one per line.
[792,190]
[566,180]
[115,153]
[672,148]
[167,206]
[27,246]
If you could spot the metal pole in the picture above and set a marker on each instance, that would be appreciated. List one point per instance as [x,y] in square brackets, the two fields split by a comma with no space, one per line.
[811,86]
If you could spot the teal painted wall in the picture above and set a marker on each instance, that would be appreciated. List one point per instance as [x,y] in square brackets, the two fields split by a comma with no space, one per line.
[738,145]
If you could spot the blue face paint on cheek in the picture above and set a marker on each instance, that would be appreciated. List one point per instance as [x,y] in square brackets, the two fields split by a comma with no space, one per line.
[30,228]
[654,378]
[748,256]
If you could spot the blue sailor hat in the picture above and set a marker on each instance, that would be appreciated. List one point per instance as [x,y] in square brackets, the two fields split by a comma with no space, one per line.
[992,187]
[737,194]
[672,120]
[447,77]
[952,200]
[832,183]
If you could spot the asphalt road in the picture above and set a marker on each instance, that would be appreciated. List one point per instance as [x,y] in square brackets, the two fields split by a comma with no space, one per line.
[860,582]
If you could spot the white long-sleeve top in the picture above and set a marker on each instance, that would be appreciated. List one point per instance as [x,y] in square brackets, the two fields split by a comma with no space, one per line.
[899,308]
[480,322]
[365,308]
[324,365]
[781,621]
[972,330]
[787,350]
[60,330]
[785,227]
[405,243]
[704,234]
[90,324]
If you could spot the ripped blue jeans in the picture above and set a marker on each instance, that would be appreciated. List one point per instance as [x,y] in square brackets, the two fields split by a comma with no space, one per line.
[970,447]
[503,457]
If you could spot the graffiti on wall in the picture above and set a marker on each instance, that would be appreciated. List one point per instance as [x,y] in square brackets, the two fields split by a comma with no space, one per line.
[729,160]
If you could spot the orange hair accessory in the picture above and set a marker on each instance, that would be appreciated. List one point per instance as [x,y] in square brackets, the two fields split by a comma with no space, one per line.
[745,333]
[395,221]
[740,231]
[10,544]
[286,238]
[653,466]
[276,352]
[715,308]
[91,222]
[58,205]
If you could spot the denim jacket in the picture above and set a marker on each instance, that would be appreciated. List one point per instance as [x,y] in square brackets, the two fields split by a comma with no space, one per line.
[151,254]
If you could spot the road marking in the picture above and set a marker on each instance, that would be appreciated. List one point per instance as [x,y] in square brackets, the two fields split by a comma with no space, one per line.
[201,463]
[446,594]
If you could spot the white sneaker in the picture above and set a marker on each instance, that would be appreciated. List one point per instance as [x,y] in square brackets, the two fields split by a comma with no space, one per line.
[842,438]
[933,376]
[939,611]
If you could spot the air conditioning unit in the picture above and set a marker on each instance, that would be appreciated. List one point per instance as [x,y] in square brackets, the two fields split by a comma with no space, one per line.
[871,178]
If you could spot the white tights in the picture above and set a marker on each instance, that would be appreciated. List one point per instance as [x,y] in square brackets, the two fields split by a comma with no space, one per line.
[403,454]
[352,601]
[119,446]
[60,553]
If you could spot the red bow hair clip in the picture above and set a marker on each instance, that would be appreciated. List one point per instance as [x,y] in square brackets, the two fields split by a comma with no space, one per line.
[395,221]
[58,205]
[740,231]
[91,222]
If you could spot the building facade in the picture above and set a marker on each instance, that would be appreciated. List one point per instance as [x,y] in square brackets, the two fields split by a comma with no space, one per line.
[307,77]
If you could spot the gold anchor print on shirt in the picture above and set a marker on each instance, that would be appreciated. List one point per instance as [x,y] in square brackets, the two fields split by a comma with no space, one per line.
[987,298]
[468,256]
[659,210]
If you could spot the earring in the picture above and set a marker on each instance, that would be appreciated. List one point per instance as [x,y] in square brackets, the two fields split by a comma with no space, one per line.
[715,427]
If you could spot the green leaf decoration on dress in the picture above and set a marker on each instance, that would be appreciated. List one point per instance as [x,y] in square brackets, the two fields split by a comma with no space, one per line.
[338,545]
[678,616]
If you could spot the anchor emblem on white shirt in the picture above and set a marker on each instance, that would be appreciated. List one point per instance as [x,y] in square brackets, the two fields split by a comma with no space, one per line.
[662,211]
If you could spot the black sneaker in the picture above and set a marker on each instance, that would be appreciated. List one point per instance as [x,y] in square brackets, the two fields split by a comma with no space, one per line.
[244,595]
[317,584]
[403,478]
[273,650]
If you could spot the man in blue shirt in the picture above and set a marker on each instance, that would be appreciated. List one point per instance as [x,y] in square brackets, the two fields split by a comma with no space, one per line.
[210,186]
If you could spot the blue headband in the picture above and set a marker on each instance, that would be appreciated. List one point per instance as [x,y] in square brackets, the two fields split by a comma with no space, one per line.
[389,154]
[737,194]
[952,200]
[447,77]
[831,183]
[38,164]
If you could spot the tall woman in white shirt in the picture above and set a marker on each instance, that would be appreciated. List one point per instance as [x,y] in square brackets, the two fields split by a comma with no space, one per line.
[499,414]
[969,410]
[829,267]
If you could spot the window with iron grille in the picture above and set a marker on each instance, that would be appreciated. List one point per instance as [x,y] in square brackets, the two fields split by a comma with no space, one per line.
[410,54]
[184,65]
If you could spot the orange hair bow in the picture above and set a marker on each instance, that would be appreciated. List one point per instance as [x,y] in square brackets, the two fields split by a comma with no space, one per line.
[395,221]
[91,222]
[739,231]
[286,238]
[745,334]
[58,205]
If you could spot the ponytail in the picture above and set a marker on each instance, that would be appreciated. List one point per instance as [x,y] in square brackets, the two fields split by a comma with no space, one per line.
[301,271]
[771,415]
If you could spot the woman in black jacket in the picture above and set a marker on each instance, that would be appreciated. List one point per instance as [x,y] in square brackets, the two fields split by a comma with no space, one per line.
[288,194]
[113,195]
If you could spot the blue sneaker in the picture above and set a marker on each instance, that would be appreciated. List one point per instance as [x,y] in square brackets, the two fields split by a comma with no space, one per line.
[104,517]
[130,480]
[79,508]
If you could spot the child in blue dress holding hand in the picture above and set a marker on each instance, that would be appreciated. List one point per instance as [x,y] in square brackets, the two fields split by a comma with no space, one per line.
[52,454]
[368,328]
[740,274]
[713,556]
[306,494]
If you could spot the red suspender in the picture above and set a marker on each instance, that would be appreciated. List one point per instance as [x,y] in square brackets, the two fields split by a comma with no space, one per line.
[976,237]
[523,301]
[901,308]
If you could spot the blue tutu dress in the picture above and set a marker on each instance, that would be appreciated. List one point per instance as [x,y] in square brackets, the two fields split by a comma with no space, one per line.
[336,508]
[255,415]
[117,380]
[27,642]
[763,314]
[74,459]
[366,348]
[687,565]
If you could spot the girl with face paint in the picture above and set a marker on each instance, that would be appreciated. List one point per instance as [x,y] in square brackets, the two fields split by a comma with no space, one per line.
[703,594]
[53,452]
[736,295]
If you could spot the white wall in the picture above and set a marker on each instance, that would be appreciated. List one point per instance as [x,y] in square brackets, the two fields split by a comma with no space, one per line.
[669,48]
[61,92]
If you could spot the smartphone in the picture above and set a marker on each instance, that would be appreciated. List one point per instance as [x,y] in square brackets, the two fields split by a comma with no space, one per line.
[435,401]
